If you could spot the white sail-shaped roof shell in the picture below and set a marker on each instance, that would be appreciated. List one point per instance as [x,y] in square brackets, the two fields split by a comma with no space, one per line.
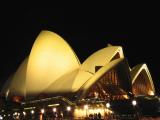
[142,69]
[16,84]
[53,67]
[51,57]
[100,58]
[73,81]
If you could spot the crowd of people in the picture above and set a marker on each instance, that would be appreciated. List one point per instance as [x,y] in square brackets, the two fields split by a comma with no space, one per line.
[95,116]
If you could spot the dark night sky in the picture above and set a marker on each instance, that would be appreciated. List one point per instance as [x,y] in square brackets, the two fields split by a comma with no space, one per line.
[86,29]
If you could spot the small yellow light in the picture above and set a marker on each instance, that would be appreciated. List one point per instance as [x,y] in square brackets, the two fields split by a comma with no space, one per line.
[107,105]
[134,102]
[68,108]
[85,106]
[15,113]
[32,111]
[24,113]
[151,92]
[54,109]
[42,111]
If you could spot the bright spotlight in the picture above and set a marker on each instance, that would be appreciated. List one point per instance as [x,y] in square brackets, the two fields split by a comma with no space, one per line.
[68,108]
[32,111]
[1,118]
[54,109]
[85,106]
[42,111]
[24,113]
[151,93]
[134,102]
[108,105]
[15,113]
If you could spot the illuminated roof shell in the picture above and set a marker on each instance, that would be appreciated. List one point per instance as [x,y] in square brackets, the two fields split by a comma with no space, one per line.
[101,57]
[16,84]
[137,70]
[53,67]
[51,57]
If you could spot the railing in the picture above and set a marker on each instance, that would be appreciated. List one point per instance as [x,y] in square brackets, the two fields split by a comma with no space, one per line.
[49,99]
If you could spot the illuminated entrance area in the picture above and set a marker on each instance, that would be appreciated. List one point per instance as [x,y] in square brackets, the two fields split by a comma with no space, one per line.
[93,111]
[107,87]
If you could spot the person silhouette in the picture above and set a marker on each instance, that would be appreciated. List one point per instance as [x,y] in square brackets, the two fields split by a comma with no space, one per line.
[95,116]
[99,116]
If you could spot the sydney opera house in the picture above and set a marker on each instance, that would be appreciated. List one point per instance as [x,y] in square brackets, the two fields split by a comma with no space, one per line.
[52,80]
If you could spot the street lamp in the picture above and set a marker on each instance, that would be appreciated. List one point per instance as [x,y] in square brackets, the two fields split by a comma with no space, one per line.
[108,105]
[54,109]
[85,106]
[15,113]
[134,102]
[1,118]
[68,108]
[42,111]
[32,111]
[24,113]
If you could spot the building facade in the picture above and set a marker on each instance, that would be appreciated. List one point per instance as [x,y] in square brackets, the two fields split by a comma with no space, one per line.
[52,74]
